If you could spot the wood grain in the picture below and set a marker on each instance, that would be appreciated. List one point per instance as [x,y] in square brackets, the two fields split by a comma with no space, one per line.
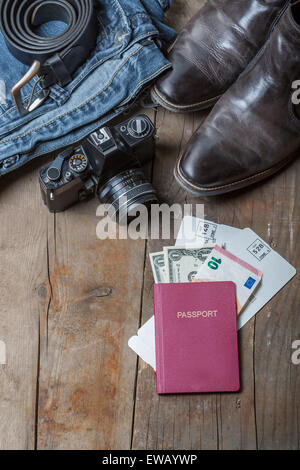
[23,228]
[265,414]
[189,422]
[69,302]
[87,372]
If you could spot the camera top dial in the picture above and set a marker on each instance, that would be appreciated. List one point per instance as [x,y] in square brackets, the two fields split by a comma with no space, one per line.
[78,163]
[138,127]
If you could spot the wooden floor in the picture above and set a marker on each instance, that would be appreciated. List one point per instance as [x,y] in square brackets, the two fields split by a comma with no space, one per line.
[69,302]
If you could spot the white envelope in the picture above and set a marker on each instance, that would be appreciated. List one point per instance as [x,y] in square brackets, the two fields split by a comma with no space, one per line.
[277,272]
[195,232]
[144,343]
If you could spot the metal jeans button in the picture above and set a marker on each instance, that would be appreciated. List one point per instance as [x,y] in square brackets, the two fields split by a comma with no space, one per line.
[9,162]
[119,37]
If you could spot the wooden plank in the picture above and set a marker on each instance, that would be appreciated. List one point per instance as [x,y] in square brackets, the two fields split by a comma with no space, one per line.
[266,413]
[277,207]
[87,374]
[200,421]
[69,303]
[87,379]
[23,226]
[65,326]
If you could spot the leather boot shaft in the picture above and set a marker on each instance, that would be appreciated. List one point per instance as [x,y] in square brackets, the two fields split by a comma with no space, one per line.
[213,49]
[255,128]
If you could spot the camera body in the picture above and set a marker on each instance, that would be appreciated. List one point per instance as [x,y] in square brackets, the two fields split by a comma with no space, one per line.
[107,163]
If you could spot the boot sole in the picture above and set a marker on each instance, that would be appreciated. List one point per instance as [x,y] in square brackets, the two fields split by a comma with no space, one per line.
[241,184]
[157,98]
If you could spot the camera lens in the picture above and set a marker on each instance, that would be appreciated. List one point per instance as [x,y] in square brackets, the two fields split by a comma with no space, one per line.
[126,191]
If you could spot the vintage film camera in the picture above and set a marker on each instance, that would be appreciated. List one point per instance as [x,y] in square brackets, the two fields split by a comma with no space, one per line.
[108,164]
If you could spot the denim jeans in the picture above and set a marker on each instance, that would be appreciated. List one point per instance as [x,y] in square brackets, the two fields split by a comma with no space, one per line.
[125,60]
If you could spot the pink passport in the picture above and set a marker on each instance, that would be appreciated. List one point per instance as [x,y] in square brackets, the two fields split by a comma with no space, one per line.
[196,338]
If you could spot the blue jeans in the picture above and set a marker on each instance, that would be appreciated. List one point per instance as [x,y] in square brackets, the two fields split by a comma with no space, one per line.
[125,59]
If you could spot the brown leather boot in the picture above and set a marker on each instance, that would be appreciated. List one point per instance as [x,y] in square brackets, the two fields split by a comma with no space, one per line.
[254,130]
[212,51]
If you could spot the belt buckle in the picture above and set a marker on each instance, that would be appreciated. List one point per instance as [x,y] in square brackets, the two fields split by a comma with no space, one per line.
[16,91]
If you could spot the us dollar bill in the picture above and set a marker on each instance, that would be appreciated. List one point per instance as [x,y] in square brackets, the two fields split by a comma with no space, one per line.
[183,264]
[158,267]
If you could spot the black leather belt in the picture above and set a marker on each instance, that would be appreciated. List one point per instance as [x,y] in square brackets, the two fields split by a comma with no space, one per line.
[53,59]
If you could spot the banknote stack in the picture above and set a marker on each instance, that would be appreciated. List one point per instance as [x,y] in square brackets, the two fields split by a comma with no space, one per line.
[203,264]
[178,264]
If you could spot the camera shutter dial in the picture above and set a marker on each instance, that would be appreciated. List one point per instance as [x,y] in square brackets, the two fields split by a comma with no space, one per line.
[138,127]
[78,163]
[53,174]
[55,170]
